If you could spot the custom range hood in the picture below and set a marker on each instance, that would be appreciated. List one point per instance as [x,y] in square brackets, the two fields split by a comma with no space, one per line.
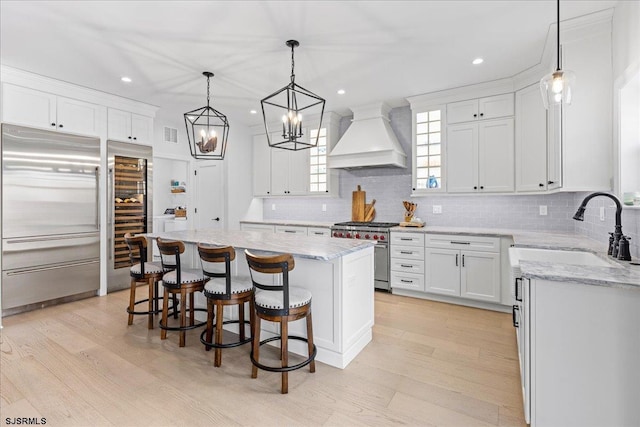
[369,141]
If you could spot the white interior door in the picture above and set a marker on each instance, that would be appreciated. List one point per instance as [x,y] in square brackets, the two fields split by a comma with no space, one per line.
[210,202]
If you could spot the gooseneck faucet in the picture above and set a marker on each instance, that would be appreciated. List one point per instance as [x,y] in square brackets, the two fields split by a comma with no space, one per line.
[615,249]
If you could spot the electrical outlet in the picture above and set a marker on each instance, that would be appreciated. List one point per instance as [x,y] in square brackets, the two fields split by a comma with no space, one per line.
[437,209]
[324,207]
[543,210]
[601,213]
[273,206]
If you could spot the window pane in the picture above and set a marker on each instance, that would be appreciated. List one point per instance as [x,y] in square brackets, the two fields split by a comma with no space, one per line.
[422,139]
[434,115]
[434,126]
[434,161]
[322,169]
[421,183]
[323,132]
[322,150]
[435,172]
[313,160]
[314,178]
[322,187]
[322,160]
[314,169]
[422,162]
[313,187]
[434,138]
[434,149]
[422,150]
[322,178]
[422,172]
[422,128]
[422,117]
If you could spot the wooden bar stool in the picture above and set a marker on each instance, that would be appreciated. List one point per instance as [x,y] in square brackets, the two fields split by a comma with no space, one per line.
[283,304]
[221,294]
[142,272]
[179,281]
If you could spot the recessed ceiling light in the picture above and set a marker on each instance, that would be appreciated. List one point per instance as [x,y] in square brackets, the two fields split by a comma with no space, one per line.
[477,61]
[126,79]
[253,112]
[341,92]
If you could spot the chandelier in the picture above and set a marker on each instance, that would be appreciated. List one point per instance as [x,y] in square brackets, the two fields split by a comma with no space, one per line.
[207,130]
[282,112]
[557,87]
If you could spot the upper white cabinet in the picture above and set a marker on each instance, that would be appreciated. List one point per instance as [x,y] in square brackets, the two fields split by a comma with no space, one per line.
[289,172]
[129,127]
[40,109]
[261,166]
[490,107]
[531,140]
[480,156]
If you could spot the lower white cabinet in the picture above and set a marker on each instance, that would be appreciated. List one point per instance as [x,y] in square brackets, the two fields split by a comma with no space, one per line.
[472,272]
[407,261]
[286,229]
[257,227]
[291,229]
[319,231]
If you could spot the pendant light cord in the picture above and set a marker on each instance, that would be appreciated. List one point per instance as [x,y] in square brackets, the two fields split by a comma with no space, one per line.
[558,37]
[293,76]
[207,91]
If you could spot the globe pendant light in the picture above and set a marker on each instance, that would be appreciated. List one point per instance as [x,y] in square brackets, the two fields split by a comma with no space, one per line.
[283,112]
[557,87]
[207,130]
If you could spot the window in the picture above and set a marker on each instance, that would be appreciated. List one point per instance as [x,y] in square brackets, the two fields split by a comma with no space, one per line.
[428,172]
[318,162]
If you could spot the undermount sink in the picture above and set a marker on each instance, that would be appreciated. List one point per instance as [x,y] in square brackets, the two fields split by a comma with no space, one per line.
[556,256]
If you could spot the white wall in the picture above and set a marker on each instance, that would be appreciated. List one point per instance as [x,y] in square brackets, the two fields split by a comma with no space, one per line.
[626,36]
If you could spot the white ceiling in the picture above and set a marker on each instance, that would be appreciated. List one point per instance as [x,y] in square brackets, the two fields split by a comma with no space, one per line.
[375,50]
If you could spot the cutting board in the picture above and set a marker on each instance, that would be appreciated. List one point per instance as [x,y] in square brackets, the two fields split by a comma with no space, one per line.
[357,205]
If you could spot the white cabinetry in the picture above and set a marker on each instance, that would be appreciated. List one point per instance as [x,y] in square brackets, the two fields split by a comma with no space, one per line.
[583,347]
[289,172]
[480,156]
[318,231]
[531,140]
[257,227]
[490,107]
[407,261]
[35,108]
[261,166]
[288,229]
[466,266]
[291,229]
[129,127]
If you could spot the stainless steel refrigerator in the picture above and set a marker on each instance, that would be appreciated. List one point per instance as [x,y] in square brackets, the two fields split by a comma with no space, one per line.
[130,204]
[50,217]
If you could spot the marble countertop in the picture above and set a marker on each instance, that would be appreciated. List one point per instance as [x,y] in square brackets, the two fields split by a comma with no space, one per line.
[299,223]
[314,247]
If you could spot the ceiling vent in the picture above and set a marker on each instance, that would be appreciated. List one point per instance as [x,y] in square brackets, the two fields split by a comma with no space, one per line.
[170,135]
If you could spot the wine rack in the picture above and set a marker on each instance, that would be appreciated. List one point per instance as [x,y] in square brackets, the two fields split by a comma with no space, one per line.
[130,182]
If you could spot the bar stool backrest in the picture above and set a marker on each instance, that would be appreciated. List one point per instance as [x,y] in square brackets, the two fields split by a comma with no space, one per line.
[137,250]
[170,251]
[280,264]
[211,257]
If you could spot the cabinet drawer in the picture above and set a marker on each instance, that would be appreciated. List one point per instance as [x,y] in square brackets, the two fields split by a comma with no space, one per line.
[407,252]
[291,229]
[407,266]
[407,239]
[257,227]
[318,231]
[412,281]
[463,242]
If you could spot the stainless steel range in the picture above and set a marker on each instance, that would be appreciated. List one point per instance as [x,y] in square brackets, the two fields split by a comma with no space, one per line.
[377,231]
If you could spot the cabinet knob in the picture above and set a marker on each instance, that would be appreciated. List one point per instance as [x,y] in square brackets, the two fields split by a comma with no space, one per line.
[53,124]
[482,187]
[475,115]
[60,126]
[475,187]
[135,139]
[551,182]
[481,114]
[541,185]
[215,219]
[129,137]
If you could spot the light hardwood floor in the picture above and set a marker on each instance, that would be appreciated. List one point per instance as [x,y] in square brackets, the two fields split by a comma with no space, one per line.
[429,363]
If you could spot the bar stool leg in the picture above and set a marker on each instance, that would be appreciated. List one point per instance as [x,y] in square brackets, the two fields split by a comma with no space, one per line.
[312,365]
[165,311]
[191,310]
[219,315]
[151,298]
[241,321]
[284,352]
[256,346]
[132,300]
[210,316]
[183,314]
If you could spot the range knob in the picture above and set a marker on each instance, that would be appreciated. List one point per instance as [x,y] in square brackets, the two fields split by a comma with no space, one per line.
[349,235]
[375,237]
[381,237]
[357,236]
[335,234]
[366,236]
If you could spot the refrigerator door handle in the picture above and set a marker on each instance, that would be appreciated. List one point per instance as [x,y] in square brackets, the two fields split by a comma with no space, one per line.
[98,197]
[49,238]
[49,267]
[112,200]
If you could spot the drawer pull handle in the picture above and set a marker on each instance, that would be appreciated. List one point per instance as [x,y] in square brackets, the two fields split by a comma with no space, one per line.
[406,252]
[406,281]
[409,239]
[460,243]
[289,231]
[406,265]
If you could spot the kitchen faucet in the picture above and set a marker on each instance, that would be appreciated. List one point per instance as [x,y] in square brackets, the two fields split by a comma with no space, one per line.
[619,245]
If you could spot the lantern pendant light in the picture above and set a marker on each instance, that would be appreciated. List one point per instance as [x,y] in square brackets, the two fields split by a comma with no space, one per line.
[557,87]
[282,112]
[207,130]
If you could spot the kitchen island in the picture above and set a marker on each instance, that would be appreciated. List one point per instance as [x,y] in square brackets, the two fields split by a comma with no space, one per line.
[337,272]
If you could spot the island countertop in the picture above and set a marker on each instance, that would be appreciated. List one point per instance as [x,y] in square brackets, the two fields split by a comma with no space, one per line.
[301,246]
